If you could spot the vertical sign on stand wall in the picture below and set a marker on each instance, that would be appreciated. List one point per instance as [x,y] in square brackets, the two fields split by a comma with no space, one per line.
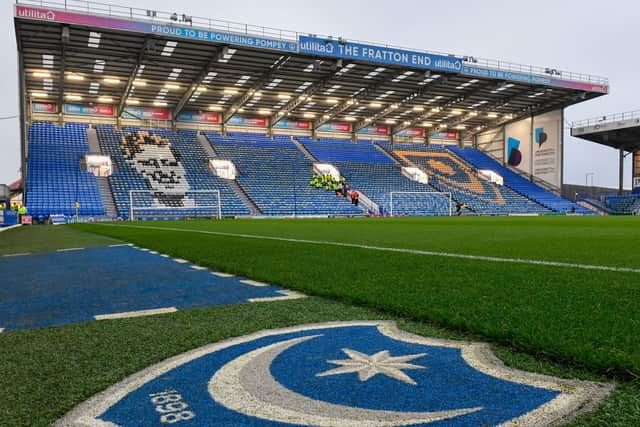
[547,139]
[517,145]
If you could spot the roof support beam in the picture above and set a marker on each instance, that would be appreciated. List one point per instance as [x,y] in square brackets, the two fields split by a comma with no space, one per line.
[304,96]
[196,83]
[64,39]
[448,103]
[132,76]
[267,76]
[345,105]
[393,107]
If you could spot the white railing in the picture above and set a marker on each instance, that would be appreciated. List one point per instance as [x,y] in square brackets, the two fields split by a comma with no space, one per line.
[606,119]
[151,15]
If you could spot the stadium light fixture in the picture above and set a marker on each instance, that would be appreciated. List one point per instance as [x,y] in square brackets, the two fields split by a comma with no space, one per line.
[230,92]
[492,115]
[112,81]
[159,104]
[508,116]
[407,123]
[308,115]
[201,89]
[171,86]
[418,108]
[375,105]
[73,97]
[42,74]
[332,101]
[461,127]
[426,125]
[326,117]
[350,119]
[105,99]
[215,108]
[284,96]
[264,112]
[435,110]
[132,102]
[140,83]
[75,77]
[456,112]
[390,122]
[39,95]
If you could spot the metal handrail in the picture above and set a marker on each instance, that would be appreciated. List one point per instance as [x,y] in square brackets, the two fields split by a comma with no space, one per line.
[111,10]
[606,119]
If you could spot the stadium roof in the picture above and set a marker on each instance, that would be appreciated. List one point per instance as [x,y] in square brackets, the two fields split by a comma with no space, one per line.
[620,131]
[77,51]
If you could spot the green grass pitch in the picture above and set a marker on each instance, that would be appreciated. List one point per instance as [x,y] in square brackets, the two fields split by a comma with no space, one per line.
[568,320]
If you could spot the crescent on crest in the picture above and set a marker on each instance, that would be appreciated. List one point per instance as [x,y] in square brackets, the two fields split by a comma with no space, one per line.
[245,385]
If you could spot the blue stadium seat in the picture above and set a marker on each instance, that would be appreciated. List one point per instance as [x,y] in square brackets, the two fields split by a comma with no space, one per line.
[55,179]
[276,174]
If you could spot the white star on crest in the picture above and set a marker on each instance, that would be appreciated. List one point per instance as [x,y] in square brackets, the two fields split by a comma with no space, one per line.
[369,366]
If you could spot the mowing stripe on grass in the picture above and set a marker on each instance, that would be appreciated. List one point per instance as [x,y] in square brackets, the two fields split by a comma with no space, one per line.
[131,314]
[388,249]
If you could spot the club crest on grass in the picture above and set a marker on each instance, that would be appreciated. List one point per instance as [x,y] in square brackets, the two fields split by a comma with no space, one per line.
[342,374]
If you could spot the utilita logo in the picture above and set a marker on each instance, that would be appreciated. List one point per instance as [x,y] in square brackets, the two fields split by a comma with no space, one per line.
[40,14]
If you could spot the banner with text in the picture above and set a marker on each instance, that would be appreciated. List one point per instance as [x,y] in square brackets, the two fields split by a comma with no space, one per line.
[168,30]
[44,107]
[378,54]
[547,146]
[413,133]
[518,145]
[197,117]
[335,127]
[375,130]
[146,113]
[293,124]
[90,110]
[248,121]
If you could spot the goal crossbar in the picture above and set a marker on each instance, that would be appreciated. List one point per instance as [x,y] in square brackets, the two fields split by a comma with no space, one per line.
[167,211]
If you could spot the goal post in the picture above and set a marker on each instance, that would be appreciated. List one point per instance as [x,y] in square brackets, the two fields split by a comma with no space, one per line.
[420,203]
[150,204]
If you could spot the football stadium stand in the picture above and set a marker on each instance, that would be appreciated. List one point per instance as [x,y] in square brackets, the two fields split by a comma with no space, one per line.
[522,185]
[275,174]
[189,170]
[376,175]
[623,205]
[448,173]
[55,179]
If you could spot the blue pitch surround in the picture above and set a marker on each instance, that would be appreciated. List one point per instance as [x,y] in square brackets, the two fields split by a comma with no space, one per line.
[75,286]
[345,374]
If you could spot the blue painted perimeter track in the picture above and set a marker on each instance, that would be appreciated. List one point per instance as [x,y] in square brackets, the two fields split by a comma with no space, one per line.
[67,287]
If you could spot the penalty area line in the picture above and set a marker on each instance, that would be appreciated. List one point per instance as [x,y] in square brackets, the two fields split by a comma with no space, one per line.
[390,249]
[132,314]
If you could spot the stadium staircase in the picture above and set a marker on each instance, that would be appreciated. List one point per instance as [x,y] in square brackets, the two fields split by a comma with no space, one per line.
[595,206]
[275,174]
[375,175]
[448,173]
[304,150]
[55,179]
[106,194]
[206,146]
[519,184]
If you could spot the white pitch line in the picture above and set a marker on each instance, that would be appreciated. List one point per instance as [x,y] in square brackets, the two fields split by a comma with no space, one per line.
[223,275]
[120,245]
[197,267]
[11,227]
[15,255]
[165,256]
[398,250]
[70,249]
[254,283]
[180,261]
[132,314]
[286,295]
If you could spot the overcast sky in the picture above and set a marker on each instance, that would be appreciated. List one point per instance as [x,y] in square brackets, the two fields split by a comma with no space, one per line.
[586,36]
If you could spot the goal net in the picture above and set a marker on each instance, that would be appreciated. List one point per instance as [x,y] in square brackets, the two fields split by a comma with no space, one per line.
[150,204]
[419,203]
